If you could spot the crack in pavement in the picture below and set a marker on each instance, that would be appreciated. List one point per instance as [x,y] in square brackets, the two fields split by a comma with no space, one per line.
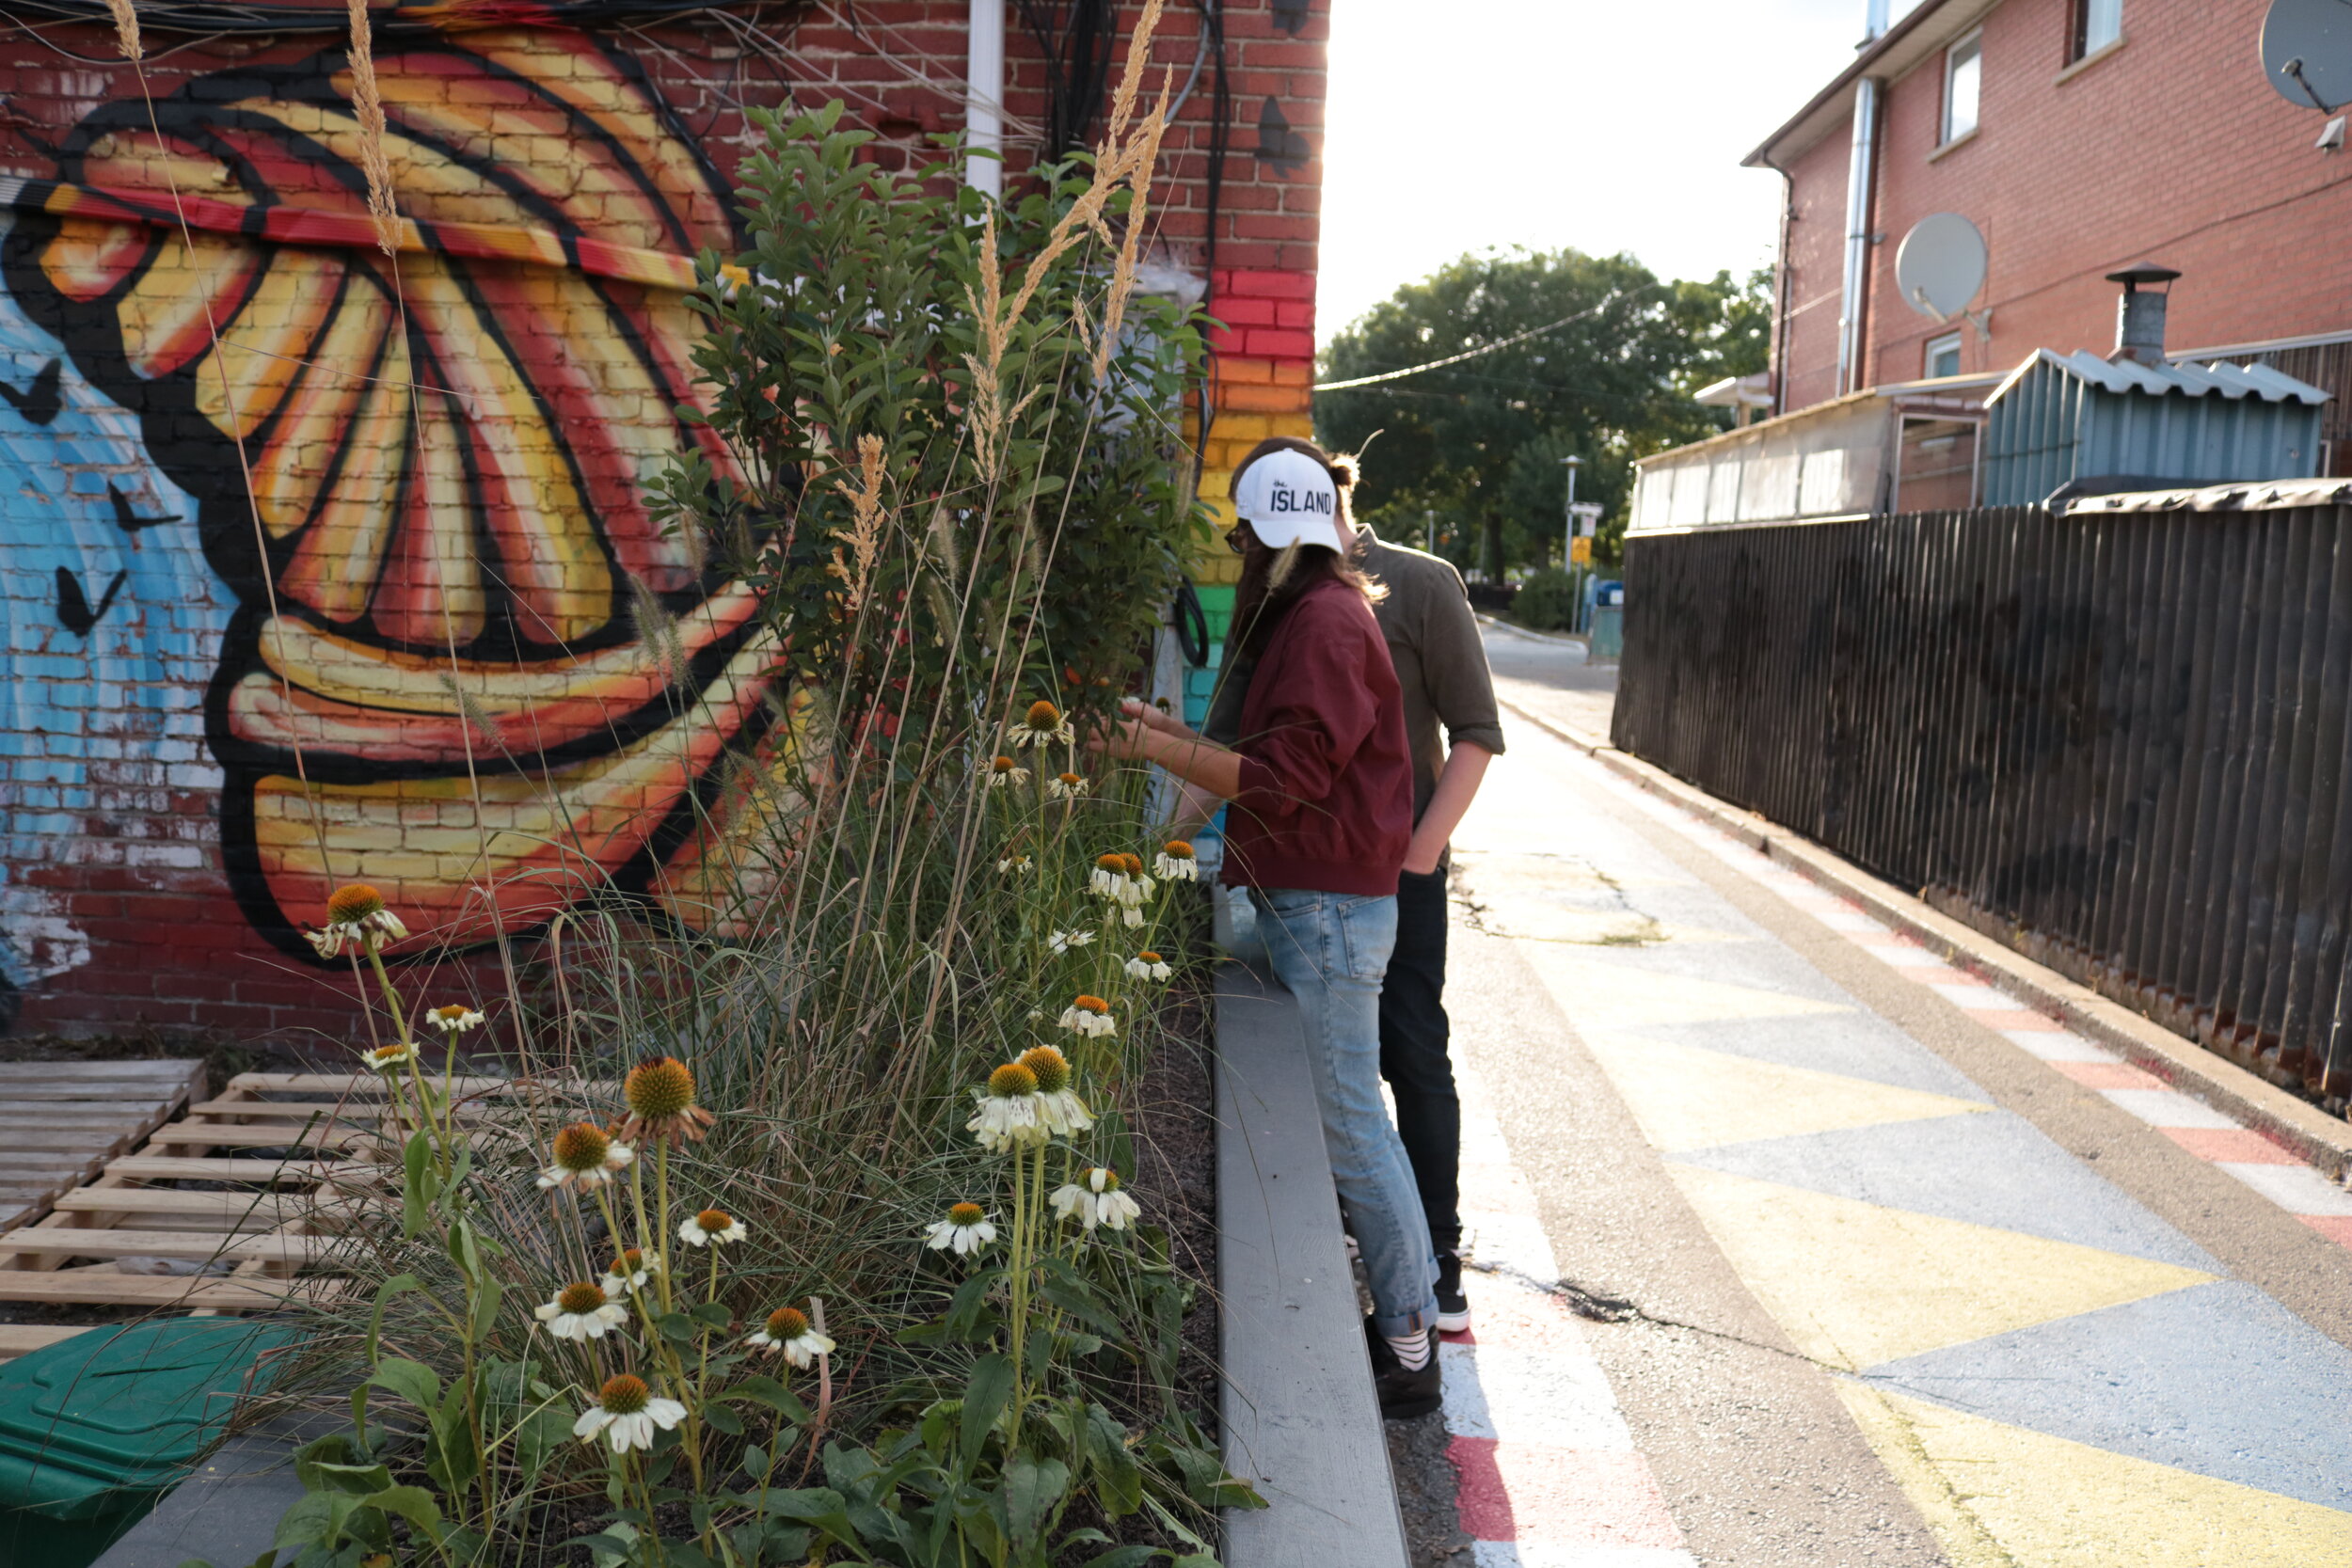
[1596,1307]
[1646,929]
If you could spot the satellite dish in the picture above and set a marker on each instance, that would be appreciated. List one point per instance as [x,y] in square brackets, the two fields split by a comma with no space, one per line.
[2307,53]
[1941,265]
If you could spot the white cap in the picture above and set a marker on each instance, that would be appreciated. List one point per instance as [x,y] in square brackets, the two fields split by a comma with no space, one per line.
[1287,497]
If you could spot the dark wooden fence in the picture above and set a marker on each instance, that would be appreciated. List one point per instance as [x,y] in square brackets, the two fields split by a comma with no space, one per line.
[2119,740]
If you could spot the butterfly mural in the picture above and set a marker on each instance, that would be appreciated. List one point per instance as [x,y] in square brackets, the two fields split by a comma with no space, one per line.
[419,477]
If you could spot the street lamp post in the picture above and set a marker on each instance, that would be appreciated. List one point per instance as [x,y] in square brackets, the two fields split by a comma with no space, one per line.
[1568,536]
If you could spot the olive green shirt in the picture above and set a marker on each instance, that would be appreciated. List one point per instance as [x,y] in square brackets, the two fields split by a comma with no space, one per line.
[1441,663]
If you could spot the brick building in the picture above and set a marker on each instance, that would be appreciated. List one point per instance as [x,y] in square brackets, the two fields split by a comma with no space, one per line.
[2079,136]
[193,750]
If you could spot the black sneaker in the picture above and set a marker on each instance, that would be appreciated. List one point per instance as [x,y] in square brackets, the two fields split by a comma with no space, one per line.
[1453,1306]
[1404,1395]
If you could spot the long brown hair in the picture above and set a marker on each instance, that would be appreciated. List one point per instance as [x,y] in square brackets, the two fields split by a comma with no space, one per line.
[1272,581]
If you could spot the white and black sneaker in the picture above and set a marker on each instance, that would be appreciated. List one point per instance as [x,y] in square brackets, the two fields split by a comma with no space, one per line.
[1454,1313]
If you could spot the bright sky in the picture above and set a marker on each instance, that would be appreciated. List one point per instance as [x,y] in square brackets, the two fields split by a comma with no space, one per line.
[1608,125]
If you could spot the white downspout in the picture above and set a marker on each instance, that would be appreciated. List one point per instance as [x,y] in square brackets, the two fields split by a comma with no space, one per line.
[984,98]
[1850,373]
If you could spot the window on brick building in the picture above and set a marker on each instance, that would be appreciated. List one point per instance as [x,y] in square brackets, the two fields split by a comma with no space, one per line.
[1943,357]
[1963,75]
[2097,24]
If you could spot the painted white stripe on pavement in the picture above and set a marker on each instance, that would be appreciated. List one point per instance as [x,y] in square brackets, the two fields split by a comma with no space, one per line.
[2298,1189]
[1559,1398]
[1537,1554]
[2168,1108]
[1977,996]
[2058,1045]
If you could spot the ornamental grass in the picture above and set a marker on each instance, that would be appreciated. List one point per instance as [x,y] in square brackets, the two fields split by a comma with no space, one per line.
[799,1237]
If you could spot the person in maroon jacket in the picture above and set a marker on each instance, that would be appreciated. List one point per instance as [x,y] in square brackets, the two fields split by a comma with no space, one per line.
[1321,782]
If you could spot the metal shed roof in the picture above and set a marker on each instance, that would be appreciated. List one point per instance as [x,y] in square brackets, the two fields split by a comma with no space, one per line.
[2191,380]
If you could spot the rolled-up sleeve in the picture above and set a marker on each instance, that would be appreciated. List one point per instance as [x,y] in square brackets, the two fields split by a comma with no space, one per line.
[1319,713]
[1461,689]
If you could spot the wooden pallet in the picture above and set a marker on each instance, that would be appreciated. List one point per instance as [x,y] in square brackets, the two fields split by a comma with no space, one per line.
[293,1153]
[60,1122]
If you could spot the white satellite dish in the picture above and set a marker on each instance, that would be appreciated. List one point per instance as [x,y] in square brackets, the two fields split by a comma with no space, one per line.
[1941,265]
[2307,53]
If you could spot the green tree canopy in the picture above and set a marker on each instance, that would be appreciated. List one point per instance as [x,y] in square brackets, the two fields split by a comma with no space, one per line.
[1605,370]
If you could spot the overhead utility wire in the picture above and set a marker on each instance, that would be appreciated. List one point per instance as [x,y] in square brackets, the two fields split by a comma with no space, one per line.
[1483,348]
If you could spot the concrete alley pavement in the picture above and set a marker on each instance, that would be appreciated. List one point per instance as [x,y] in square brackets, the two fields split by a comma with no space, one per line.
[1793,1247]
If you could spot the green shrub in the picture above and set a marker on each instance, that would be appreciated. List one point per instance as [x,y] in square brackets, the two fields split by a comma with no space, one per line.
[1548,600]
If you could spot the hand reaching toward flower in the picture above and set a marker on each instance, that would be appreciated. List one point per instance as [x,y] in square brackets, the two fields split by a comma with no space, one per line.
[1144,734]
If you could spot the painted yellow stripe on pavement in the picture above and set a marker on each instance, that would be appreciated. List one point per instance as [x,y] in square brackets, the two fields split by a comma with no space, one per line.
[1605,996]
[1857,1284]
[2002,1497]
[1686,1098]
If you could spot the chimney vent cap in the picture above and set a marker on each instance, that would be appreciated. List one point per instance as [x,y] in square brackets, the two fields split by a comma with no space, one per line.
[2143,271]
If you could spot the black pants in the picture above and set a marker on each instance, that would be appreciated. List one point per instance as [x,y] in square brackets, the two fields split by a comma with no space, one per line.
[1413,1034]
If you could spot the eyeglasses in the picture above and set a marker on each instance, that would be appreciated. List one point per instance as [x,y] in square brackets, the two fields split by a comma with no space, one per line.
[1236,538]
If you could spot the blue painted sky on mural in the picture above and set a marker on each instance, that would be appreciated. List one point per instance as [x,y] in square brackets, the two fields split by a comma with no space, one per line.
[90,723]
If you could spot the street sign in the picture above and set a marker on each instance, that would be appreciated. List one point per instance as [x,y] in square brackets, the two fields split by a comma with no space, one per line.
[1580,550]
[1587,515]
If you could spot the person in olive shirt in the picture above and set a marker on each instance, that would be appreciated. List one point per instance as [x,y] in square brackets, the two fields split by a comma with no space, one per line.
[1441,665]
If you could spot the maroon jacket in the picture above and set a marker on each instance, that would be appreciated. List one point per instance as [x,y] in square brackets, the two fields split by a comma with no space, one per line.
[1326,780]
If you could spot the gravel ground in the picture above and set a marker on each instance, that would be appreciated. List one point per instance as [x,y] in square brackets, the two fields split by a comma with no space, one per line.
[1426,1486]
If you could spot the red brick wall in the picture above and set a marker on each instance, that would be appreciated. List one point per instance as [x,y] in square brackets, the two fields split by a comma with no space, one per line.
[2174,147]
[180,775]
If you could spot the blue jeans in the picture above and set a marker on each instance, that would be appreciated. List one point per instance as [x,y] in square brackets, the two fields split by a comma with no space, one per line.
[1332,950]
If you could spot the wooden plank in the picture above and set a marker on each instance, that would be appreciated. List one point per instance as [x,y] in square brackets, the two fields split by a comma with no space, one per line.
[256,1135]
[167,1070]
[74,1241]
[369,1086]
[106,1286]
[24,1339]
[95,1092]
[165,1168]
[258,1208]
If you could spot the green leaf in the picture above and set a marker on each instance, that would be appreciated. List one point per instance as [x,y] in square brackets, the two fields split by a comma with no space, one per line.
[714,1313]
[722,1420]
[412,1503]
[1032,1487]
[676,1326]
[486,1308]
[762,1389]
[984,1399]
[419,1191]
[1125,1556]
[411,1380]
[359,1480]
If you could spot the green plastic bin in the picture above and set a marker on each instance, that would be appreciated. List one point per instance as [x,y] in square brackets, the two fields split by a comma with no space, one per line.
[95,1429]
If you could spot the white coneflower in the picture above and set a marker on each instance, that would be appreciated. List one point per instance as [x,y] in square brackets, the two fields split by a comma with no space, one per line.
[1175,862]
[1058,1104]
[627,1274]
[711,1228]
[1015,865]
[965,1231]
[587,1154]
[1004,770]
[1008,1114]
[356,913]
[627,1414]
[1063,942]
[788,1330]
[385,1057]
[1043,725]
[455,1018]
[659,1092]
[1065,787]
[581,1311]
[1148,965]
[1097,1200]
[1089,1016]
[1120,879]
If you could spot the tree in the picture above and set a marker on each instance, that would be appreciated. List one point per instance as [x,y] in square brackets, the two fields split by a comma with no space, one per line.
[1599,360]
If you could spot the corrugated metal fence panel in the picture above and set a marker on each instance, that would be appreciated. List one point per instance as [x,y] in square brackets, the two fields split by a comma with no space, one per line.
[2124,737]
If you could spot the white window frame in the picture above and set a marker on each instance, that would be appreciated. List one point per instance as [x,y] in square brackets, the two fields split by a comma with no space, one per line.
[2088,14]
[1936,348]
[1971,47]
